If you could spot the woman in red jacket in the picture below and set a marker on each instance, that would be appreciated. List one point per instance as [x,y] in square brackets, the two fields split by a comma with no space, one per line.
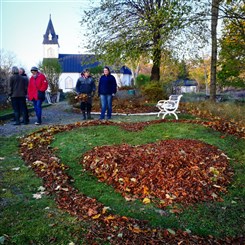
[38,82]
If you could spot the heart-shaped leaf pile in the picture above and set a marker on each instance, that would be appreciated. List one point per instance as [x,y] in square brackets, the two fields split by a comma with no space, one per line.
[166,172]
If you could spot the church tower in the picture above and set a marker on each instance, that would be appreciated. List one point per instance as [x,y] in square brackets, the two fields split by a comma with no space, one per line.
[50,42]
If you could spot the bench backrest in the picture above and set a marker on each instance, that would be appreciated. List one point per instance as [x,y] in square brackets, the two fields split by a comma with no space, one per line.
[175,97]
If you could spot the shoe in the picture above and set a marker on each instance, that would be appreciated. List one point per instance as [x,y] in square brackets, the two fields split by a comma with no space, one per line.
[37,123]
[17,123]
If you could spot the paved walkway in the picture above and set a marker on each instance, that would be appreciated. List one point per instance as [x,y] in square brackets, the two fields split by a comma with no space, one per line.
[56,114]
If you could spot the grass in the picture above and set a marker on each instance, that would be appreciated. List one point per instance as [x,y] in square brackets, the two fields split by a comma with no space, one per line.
[23,219]
[26,220]
[230,111]
[203,219]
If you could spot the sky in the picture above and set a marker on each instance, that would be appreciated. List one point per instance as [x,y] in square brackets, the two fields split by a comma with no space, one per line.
[24,22]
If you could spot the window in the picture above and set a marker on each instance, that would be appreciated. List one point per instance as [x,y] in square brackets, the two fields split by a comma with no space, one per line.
[69,83]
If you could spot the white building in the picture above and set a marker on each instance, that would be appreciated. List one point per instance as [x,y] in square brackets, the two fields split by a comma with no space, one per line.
[73,64]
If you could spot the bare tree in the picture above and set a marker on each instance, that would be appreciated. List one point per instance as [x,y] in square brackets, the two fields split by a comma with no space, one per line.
[6,62]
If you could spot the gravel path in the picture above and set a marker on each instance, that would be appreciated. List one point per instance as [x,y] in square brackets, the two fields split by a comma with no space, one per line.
[57,114]
[60,113]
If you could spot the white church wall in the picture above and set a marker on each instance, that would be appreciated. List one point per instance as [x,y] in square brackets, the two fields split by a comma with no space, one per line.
[67,81]
[50,51]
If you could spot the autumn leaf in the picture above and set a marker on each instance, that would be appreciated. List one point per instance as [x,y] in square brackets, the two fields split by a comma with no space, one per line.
[92,212]
[96,216]
[110,217]
[146,200]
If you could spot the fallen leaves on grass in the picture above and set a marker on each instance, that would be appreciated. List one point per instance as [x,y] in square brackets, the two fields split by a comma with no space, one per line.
[104,226]
[169,171]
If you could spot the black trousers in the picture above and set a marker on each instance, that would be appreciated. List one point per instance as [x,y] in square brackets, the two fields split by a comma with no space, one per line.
[86,106]
[20,108]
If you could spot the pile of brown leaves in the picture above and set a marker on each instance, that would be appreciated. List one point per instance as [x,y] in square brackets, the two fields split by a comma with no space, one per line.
[179,171]
[114,229]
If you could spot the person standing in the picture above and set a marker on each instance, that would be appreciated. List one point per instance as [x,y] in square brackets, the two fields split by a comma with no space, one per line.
[23,74]
[86,88]
[107,89]
[17,92]
[38,84]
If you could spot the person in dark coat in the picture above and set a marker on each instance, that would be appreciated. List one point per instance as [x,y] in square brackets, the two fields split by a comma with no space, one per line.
[86,88]
[107,89]
[18,91]
[23,73]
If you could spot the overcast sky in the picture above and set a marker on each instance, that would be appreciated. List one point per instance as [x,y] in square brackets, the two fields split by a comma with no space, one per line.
[24,22]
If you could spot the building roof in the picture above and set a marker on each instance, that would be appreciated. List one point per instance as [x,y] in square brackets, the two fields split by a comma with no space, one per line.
[50,37]
[125,70]
[185,82]
[77,62]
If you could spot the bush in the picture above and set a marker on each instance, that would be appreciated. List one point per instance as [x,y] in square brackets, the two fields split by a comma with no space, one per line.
[70,96]
[126,88]
[141,80]
[153,91]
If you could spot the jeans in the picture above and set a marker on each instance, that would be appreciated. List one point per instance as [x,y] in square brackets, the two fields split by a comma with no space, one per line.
[106,104]
[38,109]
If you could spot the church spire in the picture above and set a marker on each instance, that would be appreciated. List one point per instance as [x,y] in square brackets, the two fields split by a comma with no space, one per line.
[50,42]
[50,36]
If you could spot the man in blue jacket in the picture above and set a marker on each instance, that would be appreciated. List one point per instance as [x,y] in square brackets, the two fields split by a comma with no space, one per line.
[85,87]
[107,89]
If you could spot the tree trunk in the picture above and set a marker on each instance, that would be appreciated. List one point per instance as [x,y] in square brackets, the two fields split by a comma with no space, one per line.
[214,22]
[155,71]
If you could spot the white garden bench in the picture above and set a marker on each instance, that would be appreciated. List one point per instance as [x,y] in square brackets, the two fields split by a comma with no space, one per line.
[169,106]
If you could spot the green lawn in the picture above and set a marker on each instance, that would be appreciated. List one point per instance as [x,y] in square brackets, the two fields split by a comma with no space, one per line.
[211,218]
[26,220]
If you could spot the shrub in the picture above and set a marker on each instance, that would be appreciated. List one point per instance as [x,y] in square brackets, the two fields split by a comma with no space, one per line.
[126,88]
[153,91]
[70,96]
[141,80]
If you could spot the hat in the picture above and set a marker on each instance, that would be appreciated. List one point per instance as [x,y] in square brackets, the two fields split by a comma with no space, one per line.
[34,68]
[21,68]
[15,70]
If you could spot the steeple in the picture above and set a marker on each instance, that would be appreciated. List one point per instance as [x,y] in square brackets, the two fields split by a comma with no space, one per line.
[50,42]
[50,37]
